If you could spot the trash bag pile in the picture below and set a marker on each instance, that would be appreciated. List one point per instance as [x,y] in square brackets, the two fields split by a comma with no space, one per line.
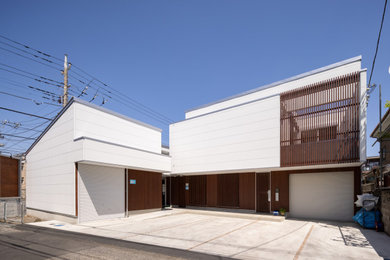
[368,216]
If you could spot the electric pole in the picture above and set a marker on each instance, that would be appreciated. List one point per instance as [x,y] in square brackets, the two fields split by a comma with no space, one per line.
[65,73]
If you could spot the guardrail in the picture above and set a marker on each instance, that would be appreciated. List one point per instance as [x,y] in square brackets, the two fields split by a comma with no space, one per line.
[12,208]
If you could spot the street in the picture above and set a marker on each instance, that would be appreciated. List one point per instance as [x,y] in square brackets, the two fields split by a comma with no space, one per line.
[28,242]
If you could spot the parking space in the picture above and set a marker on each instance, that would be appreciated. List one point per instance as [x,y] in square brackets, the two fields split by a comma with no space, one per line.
[243,236]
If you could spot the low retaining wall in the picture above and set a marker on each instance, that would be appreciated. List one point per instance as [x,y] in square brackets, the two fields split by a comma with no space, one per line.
[385,209]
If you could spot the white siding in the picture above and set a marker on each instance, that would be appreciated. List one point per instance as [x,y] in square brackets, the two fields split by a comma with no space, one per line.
[110,154]
[50,176]
[101,192]
[243,137]
[100,125]
[290,85]
[322,196]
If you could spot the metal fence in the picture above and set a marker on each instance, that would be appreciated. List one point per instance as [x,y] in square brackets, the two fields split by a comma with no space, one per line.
[12,209]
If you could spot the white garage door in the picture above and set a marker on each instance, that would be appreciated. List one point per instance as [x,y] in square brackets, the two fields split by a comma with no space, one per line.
[101,192]
[326,196]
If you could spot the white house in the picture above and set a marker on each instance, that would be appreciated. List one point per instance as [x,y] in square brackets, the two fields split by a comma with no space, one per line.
[91,163]
[295,144]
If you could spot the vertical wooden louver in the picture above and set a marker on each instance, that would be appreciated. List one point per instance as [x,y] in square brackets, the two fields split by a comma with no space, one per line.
[319,123]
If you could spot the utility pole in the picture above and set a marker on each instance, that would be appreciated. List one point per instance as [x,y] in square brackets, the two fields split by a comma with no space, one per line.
[65,73]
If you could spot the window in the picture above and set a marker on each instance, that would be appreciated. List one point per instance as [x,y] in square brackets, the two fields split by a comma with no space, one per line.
[322,134]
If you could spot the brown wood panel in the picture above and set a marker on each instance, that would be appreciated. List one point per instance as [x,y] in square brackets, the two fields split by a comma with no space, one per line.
[247,190]
[280,180]
[9,177]
[212,190]
[153,194]
[228,191]
[147,192]
[198,191]
[262,187]
[178,191]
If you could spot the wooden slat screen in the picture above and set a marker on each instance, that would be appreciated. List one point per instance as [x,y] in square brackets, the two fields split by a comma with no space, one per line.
[319,123]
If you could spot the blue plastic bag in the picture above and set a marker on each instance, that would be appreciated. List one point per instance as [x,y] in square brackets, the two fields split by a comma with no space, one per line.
[367,219]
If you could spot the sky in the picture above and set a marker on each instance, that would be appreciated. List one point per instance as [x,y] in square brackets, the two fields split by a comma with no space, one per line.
[172,56]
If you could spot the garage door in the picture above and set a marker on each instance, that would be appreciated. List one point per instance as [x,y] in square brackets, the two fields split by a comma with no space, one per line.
[101,192]
[326,196]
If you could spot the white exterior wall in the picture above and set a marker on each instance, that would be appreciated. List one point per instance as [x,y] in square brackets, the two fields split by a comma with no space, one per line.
[109,154]
[50,176]
[101,192]
[236,134]
[242,137]
[290,85]
[115,141]
[100,125]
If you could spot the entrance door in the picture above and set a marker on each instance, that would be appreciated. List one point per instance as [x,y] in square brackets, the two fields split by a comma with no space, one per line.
[144,190]
[262,190]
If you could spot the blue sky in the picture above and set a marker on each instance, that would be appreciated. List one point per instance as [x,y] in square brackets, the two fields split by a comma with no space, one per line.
[176,55]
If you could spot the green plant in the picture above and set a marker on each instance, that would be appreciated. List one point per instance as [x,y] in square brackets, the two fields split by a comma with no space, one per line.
[282,211]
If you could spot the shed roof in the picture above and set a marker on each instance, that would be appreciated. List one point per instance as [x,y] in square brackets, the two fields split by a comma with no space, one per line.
[80,101]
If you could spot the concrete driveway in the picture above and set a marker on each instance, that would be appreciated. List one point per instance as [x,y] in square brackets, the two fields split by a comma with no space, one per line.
[242,236]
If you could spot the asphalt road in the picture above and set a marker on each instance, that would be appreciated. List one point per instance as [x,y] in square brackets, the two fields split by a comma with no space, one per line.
[27,242]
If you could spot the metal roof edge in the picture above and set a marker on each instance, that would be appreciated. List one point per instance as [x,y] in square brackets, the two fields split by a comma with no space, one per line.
[299,76]
[108,111]
[80,101]
[382,120]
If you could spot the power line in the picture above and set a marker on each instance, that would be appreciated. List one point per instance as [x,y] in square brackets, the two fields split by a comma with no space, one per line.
[121,95]
[28,47]
[32,74]
[139,106]
[20,127]
[18,136]
[29,58]
[13,145]
[30,99]
[377,43]
[36,56]
[24,113]
[39,80]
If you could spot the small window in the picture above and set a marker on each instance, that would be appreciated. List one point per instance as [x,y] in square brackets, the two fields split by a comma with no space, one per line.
[309,136]
[327,133]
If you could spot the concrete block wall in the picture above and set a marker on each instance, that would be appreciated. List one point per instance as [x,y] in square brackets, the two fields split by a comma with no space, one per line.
[385,209]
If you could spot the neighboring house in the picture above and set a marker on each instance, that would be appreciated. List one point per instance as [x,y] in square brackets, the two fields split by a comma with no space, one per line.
[370,173]
[382,134]
[9,177]
[296,144]
[91,163]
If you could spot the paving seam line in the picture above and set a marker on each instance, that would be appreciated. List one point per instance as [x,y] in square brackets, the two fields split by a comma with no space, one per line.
[303,243]
[222,235]
[147,233]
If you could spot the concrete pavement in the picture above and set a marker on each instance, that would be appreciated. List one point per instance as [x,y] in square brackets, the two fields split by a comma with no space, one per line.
[242,236]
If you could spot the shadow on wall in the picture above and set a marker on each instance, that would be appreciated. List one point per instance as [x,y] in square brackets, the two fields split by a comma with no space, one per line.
[104,187]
